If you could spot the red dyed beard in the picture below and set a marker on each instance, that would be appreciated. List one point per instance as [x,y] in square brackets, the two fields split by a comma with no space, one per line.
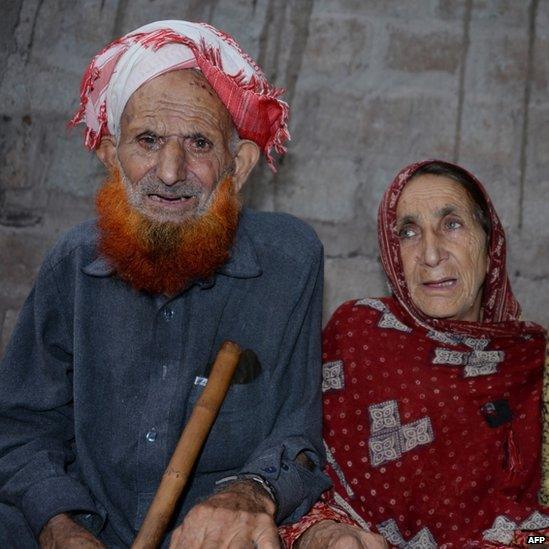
[163,258]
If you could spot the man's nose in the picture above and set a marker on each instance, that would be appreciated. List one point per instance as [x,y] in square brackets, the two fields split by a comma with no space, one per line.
[432,250]
[172,162]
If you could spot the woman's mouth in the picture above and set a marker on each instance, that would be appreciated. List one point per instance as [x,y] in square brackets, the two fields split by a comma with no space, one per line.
[440,284]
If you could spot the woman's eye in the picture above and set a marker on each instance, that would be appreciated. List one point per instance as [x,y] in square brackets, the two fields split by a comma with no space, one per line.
[406,232]
[453,224]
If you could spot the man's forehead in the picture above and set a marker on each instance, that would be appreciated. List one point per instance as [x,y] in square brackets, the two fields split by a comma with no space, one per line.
[192,77]
[177,92]
[182,83]
[256,110]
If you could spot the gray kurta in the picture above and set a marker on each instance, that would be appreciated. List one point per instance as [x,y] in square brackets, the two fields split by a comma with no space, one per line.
[99,379]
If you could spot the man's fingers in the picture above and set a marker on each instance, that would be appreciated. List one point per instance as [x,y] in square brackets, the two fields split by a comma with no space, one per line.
[174,540]
[273,544]
[267,538]
[239,517]
[243,539]
[245,543]
[265,534]
[212,544]
[248,531]
[223,529]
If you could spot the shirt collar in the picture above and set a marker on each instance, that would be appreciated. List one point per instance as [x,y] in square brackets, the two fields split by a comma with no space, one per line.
[243,262]
[99,267]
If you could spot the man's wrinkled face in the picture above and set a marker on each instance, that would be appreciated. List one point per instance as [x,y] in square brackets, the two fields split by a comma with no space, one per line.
[174,146]
[443,248]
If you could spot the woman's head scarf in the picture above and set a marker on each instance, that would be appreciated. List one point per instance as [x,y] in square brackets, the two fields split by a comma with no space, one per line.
[498,302]
[433,427]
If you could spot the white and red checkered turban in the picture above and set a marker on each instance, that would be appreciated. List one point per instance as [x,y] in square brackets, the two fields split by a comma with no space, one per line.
[116,72]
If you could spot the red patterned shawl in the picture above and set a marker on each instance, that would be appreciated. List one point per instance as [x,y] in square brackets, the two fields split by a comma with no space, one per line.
[433,428]
[498,304]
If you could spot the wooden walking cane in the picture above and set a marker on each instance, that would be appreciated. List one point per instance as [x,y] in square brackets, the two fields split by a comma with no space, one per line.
[190,443]
[543,495]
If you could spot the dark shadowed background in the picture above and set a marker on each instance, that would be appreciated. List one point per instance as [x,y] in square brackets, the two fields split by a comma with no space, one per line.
[373,85]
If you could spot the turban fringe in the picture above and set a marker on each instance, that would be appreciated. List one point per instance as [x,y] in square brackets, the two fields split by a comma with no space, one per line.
[255,108]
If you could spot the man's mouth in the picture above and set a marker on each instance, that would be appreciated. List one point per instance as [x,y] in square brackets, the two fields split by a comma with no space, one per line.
[171,201]
[440,284]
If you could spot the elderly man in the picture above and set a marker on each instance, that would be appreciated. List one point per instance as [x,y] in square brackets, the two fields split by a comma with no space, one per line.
[114,344]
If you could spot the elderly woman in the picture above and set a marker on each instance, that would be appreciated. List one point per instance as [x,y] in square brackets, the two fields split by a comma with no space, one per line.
[432,397]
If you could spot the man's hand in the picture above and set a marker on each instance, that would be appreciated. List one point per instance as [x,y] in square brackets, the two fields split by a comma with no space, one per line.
[61,532]
[240,516]
[329,534]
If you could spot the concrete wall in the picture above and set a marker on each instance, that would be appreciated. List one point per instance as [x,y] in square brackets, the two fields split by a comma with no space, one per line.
[374,85]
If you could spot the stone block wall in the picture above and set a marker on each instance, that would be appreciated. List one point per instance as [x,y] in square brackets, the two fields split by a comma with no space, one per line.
[373,84]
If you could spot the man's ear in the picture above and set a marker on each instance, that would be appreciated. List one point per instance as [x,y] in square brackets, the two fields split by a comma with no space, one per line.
[246,158]
[106,152]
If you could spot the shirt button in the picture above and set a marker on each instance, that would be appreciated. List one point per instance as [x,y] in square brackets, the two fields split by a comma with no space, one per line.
[168,313]
[151,435]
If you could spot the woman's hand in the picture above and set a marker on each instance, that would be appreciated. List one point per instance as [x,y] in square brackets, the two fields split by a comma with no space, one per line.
[329,534]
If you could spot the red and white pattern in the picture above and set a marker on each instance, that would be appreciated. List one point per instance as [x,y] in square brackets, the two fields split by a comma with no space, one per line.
[468,471]
[332,376]
[154,49]
[447,481]
[389,439]
[498,302]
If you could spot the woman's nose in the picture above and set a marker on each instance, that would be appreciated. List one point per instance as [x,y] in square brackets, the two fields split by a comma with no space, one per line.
[432,252]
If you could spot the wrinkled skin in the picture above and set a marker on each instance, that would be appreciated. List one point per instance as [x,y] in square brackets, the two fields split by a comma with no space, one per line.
[443,248]
[329,534]
[175,147]
[239,517]
[61,532]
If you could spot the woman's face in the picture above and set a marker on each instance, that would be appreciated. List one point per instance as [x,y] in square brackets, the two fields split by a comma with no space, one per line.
[443,248]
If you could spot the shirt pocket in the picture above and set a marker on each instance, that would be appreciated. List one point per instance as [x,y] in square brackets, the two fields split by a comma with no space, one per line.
[237,430]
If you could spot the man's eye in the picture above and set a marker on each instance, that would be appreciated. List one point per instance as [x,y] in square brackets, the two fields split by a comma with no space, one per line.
[407,232]
[148,140]
[201,144]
